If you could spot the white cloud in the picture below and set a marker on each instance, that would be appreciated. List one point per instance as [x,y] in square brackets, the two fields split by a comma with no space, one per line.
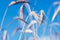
[45,38]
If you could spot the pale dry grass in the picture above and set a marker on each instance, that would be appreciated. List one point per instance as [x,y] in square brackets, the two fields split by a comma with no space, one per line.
[31,23]
[12,3]
[52,26]
[41,16]
[24,31]
[57,2]
[27,7]
[17,29]
[20,19]
[21,11]
[28,31]
[55,13]
[3,18]
[33,13]
[5,35]
[18,1]
[55,23]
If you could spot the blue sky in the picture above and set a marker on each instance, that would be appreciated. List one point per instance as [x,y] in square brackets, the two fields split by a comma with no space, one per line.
[14,11]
